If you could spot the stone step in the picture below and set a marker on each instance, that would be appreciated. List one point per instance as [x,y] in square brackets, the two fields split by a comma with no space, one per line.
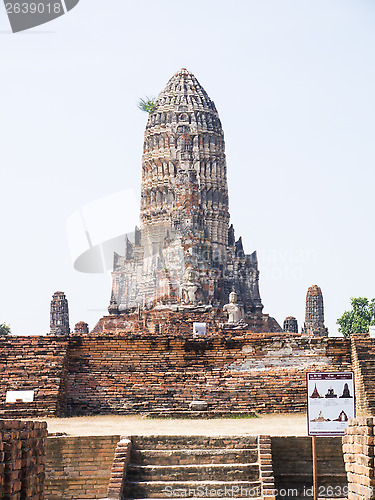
[322,474]
[218,472]
[190,442]
[201,489]
[195,456]
[197,414]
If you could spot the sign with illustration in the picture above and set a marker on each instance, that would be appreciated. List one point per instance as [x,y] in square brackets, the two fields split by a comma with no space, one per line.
[330,402]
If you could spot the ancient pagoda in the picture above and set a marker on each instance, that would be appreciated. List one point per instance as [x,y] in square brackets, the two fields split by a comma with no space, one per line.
[59,315]
[314,313]
[185,256]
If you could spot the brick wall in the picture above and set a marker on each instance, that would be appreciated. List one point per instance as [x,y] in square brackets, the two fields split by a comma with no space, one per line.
[22,459]
[2,466]
[292,466]
[266,468]
[119,469]
[363,355]
[33,363]
[79,467]
[359,452]
[163,370]
[131,373]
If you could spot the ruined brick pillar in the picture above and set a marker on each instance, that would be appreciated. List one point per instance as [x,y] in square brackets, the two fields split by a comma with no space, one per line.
[314,315]
[2,464]
[358,450]
[59,315]
[81,327]
[290,325]
[22,459]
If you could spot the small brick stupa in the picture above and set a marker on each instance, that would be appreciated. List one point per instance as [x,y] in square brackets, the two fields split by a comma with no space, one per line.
[290,325]
[185,258]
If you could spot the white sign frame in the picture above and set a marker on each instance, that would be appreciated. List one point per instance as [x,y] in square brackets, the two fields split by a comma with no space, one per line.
[330,402]
[199,329]
[19,396]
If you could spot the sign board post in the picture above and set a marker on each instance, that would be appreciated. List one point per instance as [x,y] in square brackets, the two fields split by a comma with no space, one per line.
[315,468]
[330,404]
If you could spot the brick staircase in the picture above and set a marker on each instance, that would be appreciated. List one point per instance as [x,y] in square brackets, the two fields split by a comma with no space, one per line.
[363,359]
[193,466]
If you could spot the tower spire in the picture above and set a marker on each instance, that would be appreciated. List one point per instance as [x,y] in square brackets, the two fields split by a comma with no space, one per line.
[184,150]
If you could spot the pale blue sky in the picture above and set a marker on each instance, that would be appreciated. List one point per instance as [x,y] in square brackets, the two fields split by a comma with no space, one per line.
[293,82]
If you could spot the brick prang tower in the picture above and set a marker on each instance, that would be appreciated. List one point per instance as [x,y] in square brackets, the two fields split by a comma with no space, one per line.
[184,212]
[59,324]
[314,316]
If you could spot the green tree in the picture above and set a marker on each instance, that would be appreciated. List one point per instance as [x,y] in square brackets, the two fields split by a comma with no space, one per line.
[361,316]
[148,104]
[4,329]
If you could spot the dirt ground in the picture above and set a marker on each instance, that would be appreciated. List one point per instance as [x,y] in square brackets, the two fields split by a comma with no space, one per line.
[104,425]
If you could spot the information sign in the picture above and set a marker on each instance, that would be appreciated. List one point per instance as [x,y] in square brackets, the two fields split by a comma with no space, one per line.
[330,402]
